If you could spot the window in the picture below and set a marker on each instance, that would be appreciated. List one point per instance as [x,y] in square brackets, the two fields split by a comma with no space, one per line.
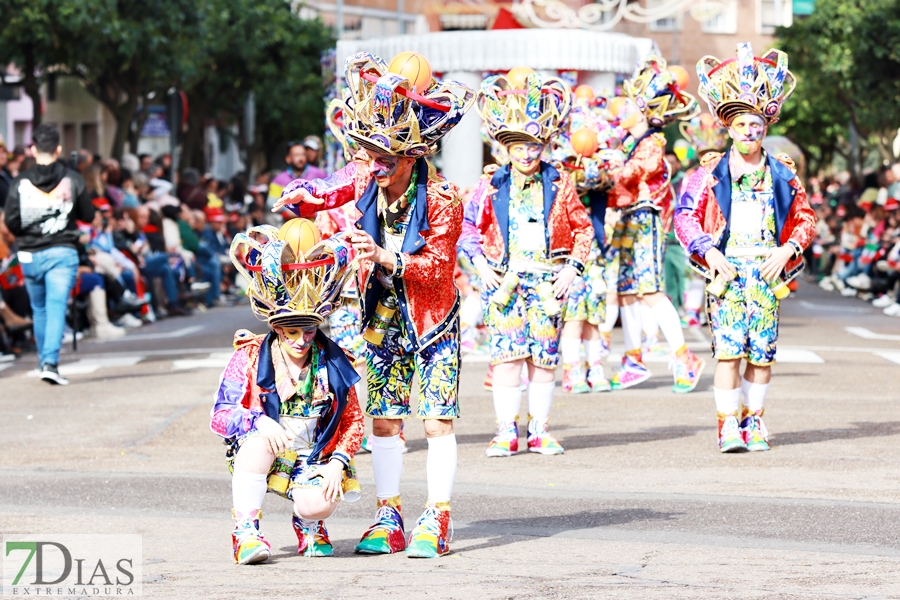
[672,22]
[773,13]
[724,22]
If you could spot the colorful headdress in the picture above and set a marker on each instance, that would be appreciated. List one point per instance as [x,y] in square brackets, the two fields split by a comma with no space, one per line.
[288,287]
[383,112]
[659,92]
[530,110]
[705,134]
[746,84]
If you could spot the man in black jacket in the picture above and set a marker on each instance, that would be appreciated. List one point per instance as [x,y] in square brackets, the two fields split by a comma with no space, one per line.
[42,208]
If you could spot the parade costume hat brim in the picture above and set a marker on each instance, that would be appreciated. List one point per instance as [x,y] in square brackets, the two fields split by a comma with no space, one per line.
[653,89]
[532,115]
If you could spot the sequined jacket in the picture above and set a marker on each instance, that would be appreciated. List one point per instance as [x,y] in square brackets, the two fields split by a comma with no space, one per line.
[247,392]
[568,231]
[428,301]
[644,178]
[703,211]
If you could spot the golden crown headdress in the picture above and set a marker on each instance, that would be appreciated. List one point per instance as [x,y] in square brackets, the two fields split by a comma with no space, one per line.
[383,112]
[523,106]
[289,287]
[746,84]
[705,134]
[660,92]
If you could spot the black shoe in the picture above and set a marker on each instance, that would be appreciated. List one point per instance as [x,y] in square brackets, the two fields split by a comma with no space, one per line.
[176,310]
[50,374]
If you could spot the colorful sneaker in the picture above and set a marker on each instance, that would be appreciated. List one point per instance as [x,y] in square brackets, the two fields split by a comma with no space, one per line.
[312,537]
[754,431]
[730,438]
[248,544]
[432,534]
[386,536]
[506,442]
[632,373]
[574,379]
[686,369]
[596,378]
[540,441]
[692,319]
[652,347]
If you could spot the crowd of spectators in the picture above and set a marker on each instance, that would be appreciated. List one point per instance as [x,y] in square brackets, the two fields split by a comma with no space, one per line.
[156,246]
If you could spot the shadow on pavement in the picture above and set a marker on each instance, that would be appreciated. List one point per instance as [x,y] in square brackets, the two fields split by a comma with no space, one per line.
[860,430]
[601,440]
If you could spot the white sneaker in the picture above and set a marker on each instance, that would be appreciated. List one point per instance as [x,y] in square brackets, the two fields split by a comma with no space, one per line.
[50,374]
[893,310]
[848,292]
[129,321]
[883,301]
[860,282]
[827,285]
[838,283]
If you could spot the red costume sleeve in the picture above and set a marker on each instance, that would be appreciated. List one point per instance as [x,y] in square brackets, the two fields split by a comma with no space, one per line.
[436,261]
[800,225]
[579,222]
[339,188]
[351,429]
[648,158]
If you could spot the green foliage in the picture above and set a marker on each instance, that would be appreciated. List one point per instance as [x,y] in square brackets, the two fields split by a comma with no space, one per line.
[846,56]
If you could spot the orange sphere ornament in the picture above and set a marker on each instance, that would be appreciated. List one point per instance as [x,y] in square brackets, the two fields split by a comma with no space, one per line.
[585,143]
[584,92]
[517,77]
[300,235]
[414,67]
[681,77]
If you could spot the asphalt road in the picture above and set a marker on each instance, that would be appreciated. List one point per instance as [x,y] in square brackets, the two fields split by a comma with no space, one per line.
[640,506]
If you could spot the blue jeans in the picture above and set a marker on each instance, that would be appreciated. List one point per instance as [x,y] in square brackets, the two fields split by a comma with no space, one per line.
[157,265]
[49,279]
[211,271]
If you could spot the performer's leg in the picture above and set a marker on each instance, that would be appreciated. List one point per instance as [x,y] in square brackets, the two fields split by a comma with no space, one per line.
[248,488]
[311,508]
[574,373]
[693,301]
[596,349]
[633,371]
[687,366]
[727,394]
[650,331]
[540,399]
[507,394]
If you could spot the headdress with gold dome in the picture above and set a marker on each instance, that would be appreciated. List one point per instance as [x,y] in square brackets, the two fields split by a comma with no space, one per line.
[523,106]
[290,287]
[705,134]
[746,84]
[388,113]
[660,92]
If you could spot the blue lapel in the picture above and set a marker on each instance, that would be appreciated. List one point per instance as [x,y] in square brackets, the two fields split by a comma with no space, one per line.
[368,206]
[722,191]
[418,220]
[501,181]
[265,378]
[784,193]
[598,200]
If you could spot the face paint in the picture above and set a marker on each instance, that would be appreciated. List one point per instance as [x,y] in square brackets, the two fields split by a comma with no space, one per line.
[386,169]
[747,131]
[296,341]
[525,157]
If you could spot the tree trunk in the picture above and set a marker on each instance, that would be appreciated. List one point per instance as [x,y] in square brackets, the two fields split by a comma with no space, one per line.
[124,114]
[32,87]
[192,148]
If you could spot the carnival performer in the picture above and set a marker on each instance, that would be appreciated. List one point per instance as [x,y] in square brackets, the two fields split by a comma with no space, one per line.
[583,149]
[411,221]
[744,218]
[655,96]
[286,405]
[535,237]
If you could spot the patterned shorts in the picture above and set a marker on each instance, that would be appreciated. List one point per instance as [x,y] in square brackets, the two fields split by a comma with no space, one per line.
[612,268]
[586,300]
[345,327]
[744,323]
[522,329]
[641,241]
[391,367]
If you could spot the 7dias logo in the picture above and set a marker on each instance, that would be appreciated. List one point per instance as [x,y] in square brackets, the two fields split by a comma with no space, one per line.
[72,565]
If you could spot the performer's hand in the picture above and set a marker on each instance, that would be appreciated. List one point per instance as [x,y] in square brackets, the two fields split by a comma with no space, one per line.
[332,475]
[298,196]
[490,280]
[718,264]
[274,434]
[562,280]
[775,262]
[365,246]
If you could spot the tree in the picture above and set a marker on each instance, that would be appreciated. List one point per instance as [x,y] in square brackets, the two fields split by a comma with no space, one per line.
[846,57]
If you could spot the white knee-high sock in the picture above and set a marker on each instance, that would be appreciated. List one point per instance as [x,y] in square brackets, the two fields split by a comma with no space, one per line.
[754,394]
[728,402]
[387,465]
[440,467]
[693,298]
[247,491]
[594,351]
[648,321]
[670,323]
[612,315]
[631,326]
[540,399]
[570,350]
[507,401]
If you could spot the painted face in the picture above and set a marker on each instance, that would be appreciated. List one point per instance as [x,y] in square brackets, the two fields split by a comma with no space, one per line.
[296,341]
[387,169]
[525,157]
[748,132]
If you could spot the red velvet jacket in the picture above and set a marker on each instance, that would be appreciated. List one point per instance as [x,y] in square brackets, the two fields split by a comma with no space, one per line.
[568,228]
[423,280]
[644,178]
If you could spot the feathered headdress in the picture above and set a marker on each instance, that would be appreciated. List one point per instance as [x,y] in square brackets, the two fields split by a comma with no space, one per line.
[531,111]
[290,288]
[705,134]
[746,84]
[660,92]
[382,112]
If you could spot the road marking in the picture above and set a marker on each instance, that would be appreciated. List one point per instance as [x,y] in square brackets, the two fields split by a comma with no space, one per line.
[894,357]
[798,355]
[5,366]
[164,335]
[871,335]
[87,366]
[216,360]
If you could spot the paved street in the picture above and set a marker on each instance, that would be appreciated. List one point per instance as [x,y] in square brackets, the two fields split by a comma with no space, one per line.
[640,506]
